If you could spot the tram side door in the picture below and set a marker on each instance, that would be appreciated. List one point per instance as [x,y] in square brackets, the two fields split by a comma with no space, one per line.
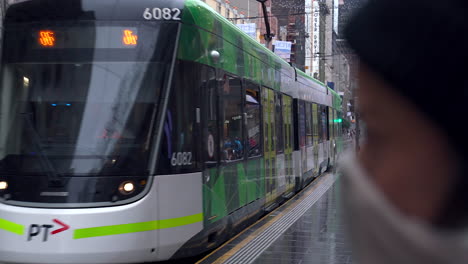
[268,102]
[208,112]
[208,143]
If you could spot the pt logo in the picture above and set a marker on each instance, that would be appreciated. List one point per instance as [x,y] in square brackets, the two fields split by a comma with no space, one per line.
[36,230]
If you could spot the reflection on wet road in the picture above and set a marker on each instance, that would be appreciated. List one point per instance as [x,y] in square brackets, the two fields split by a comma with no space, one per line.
[318,237]
[307,229]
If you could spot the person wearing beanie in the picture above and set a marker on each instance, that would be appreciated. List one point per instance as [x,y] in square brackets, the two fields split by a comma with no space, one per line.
[406,194]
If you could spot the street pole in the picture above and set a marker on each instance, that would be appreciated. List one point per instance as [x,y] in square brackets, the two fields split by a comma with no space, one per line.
[268,36]
[248,9]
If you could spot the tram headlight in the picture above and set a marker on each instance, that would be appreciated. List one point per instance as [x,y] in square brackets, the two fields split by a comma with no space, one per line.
[127,188]
[3,185]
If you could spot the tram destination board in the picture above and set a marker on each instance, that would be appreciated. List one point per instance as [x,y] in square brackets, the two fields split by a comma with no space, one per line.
[85,38]
[84,41]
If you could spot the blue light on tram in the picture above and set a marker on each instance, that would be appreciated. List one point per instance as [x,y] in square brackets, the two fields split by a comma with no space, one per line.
[55,105]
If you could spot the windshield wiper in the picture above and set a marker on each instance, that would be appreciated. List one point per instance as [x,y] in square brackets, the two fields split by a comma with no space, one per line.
[52,174]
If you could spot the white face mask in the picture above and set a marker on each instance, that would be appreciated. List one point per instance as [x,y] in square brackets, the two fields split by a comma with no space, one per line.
[381,234]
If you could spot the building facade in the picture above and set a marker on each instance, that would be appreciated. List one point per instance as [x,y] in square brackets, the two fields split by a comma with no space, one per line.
[328,58]
[227,10]
[248,8]
[290,18]
[239,12]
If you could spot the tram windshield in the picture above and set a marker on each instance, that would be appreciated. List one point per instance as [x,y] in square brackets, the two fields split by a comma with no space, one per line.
[81,108]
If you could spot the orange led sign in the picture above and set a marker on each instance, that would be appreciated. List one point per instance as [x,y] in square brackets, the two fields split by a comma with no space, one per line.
[129,38]
[47,38]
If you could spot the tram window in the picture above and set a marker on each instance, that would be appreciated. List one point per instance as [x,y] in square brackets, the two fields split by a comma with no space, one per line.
[301,123]
[178,147]
[324,119]
[309,123]
[322,125]
[78,114]
[287,120]
[252,110]
[315,114]
[232,145]
[279,123]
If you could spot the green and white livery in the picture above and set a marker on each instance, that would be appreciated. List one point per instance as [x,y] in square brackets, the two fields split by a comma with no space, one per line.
[147,130]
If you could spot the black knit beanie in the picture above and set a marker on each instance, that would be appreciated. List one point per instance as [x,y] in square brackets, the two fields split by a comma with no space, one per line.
[420,47]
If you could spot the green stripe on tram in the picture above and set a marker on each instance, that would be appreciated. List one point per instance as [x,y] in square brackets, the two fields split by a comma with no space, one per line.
[136,227]
[11,227]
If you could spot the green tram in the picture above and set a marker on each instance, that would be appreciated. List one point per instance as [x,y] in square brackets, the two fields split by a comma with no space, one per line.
[145,130]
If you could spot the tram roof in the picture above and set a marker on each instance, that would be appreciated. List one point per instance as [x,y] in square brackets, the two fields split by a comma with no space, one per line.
[201,15]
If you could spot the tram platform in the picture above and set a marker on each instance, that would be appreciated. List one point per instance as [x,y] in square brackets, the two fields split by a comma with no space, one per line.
[305,230]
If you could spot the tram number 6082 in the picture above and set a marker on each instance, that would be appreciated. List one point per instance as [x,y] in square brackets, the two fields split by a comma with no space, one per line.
[181,159]
[162,14]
